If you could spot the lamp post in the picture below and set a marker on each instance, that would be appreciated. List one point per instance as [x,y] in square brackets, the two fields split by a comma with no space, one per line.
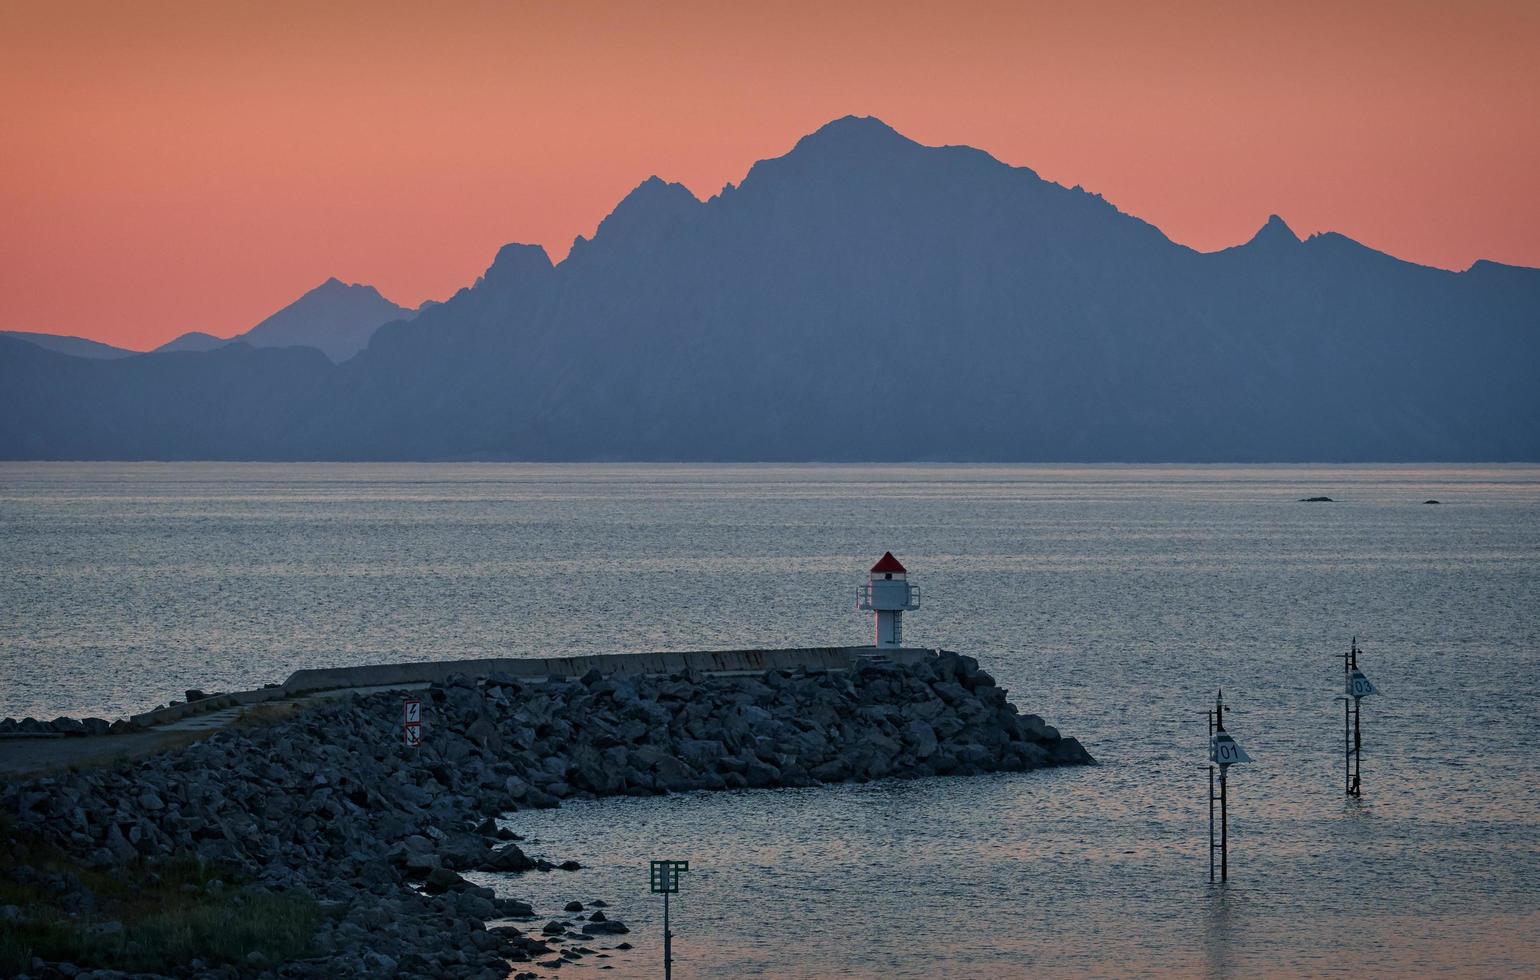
[1224,752]
[664,879]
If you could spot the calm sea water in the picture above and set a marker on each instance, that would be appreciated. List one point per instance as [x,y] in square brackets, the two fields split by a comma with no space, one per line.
[1111,600]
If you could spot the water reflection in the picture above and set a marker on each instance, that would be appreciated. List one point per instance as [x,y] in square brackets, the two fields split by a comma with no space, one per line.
[1220,923]
[1111,600]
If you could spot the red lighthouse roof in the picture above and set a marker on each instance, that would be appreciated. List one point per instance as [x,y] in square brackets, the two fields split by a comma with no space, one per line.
[887,563]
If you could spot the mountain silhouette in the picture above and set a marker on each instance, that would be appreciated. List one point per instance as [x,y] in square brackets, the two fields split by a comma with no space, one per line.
[335,318]
[193,340]
[74,346]
[862,297]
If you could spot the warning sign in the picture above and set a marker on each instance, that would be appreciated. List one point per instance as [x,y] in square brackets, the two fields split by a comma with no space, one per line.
[411,723]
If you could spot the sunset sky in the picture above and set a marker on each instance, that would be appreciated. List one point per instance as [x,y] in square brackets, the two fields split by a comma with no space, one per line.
[177,166]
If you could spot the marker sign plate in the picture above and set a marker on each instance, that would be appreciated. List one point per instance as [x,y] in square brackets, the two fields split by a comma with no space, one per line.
[664,876]
[411,723]
[1359,685]
[1226,752]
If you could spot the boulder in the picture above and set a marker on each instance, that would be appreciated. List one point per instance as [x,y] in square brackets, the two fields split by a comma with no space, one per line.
[921,738]
[441,880]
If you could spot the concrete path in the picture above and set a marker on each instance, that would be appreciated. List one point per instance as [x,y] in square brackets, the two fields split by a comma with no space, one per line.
[24,757]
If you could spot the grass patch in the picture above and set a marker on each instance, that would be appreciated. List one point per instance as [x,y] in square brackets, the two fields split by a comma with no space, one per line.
[146,917]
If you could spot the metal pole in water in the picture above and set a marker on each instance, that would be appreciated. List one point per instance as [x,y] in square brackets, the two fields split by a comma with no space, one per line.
[1224,752]
[1224,793]
[1224,827]
[1347,745]
[664,880]
[1358,739]
[1356,687]
[1211,802]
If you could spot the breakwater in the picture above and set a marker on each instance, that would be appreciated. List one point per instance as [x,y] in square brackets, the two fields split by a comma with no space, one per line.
[332,806]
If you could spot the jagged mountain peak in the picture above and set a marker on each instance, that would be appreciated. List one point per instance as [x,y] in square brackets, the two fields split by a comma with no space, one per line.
[853,130]
[653,207]
[336,287]
[1275,231]
[850,142]
[516,263]
[336,317]
[654,201]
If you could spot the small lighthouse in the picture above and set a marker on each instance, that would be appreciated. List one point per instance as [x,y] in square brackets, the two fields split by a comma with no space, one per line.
[887,594]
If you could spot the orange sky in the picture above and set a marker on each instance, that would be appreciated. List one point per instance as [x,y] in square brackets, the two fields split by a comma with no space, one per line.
[175,166]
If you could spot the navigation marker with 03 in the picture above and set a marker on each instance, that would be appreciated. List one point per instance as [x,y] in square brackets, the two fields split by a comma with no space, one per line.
[1360,686]
[1355,688]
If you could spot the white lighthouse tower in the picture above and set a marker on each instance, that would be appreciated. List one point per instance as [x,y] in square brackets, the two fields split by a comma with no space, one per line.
[887,594]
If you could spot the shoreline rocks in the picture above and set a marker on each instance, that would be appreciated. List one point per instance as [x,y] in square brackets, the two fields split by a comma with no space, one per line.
[62,725]
[331,803]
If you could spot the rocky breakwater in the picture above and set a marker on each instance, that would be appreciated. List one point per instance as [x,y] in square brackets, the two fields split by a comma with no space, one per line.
[329,805]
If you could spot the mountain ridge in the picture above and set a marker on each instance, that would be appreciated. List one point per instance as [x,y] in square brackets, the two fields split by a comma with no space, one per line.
[68,344]
[1013,319]
[334,317]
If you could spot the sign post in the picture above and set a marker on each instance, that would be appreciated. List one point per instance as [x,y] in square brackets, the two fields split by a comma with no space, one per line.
[664,879]
[411,723]
[1356,687]
[1224,752]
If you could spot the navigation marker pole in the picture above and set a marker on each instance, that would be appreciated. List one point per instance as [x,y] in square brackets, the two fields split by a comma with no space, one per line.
[664,879]
[1356,687]
[1224,752]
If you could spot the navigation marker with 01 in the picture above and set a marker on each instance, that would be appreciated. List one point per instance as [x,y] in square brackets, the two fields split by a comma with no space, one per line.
[1224,752]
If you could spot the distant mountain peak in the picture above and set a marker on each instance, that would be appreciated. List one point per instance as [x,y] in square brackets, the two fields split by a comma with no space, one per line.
[653,206]
[1274,232]
[855,129]
[516,263]
[336,317]
[850,123]
[652,199]
[193,340]
[855,138]
[334,286]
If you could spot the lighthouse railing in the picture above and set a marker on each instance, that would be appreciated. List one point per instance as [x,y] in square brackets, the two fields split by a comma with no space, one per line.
[864,598]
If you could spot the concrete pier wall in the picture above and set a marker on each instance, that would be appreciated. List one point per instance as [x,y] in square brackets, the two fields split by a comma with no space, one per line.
[313,680]
[706,661]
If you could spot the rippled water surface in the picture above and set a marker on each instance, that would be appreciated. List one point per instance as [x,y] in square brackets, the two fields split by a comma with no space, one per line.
[1111,600]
